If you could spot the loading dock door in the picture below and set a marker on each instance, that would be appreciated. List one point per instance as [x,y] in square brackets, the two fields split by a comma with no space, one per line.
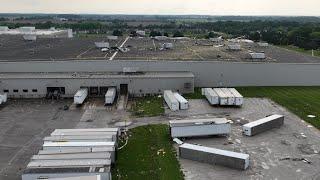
[94,91]
[123,89]
[103,90]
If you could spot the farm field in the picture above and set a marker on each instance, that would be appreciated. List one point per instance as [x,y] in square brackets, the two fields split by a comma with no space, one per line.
[149,154]
[302,101]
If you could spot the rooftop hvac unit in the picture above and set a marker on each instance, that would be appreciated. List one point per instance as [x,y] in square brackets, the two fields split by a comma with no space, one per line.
[141,33]
[112,37]
[257,55]
[30,37]
[161,38]
[263,44]
[217,40]
[102,44]
[234,47]
[4,28]
[167,45]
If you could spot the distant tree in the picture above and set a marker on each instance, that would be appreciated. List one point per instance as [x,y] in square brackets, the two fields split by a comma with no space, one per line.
[155,33]
[212,35]
[178,34]
[255,36]
[166,34]
[117,33]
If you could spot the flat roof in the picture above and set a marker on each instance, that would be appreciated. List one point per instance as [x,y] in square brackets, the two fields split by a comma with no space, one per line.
[14,48]
[95,75]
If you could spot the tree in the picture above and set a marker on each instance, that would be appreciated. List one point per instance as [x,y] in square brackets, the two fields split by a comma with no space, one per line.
[178,34]
[155,33]
[166,34]
[212,35]
[117,33]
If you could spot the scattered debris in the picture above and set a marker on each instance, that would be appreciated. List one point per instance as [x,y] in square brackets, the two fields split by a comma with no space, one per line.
[65,107]
[285,142]
[178,141]
[296,159]
[161,152]
[307,149]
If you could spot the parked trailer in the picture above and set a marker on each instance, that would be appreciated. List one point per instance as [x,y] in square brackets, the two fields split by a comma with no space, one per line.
[110,149]
[3,98]
[75,145]
[59,173]
[95,155]
[199,127]
[110,96]
[264,124]
[223,98]
[238,97]
[214,156]
[211,96]
[171,100]
[80,96]
[79,138]
[231,98]
[183,103]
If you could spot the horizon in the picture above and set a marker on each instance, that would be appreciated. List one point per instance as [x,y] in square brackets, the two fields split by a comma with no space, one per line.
[165,7]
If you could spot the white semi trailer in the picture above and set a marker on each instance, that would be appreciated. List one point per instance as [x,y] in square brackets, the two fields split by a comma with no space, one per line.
[171,100]
[264,124]
[3,98]
[199,127]
[223,98]
[214,156]
[110,96]
[183,103]
[211,96]
[230,96]
[80,96]
[238,97]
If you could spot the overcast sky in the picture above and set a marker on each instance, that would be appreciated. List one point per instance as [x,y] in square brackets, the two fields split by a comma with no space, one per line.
[206,7]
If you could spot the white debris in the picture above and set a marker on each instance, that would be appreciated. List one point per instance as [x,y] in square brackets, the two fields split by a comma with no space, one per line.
[178,141]
[311,116]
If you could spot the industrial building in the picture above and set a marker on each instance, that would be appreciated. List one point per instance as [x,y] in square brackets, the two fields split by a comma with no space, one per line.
[39,85]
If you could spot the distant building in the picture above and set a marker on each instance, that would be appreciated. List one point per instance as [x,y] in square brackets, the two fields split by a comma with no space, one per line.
[257,55]
[141,33]
[234,47]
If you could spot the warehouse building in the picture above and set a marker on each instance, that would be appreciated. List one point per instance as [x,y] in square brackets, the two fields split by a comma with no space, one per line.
[38,85]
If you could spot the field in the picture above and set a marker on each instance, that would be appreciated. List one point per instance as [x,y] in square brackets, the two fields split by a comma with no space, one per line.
[302,101]
[149,154]
[297,49]
[148,106]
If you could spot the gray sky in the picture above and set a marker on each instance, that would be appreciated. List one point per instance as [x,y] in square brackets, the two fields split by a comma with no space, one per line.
[208,7]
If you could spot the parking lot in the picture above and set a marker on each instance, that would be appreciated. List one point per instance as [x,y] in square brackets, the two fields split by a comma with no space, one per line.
[291,152]
[283,153]
[25,122]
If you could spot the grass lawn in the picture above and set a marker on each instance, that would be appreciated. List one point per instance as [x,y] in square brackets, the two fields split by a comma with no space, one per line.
[148,155]
[302,101]
[148,106]
[301,50]
[195,95]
